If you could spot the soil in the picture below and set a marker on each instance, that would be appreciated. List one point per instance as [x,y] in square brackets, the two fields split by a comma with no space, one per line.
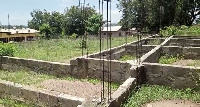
[172,103]
[82,89]
[184,62]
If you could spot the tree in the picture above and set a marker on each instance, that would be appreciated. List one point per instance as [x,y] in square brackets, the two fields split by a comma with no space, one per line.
[38,18]
[153,14]
[75,19]
[55,24]
[46,30]
[42,19]
[93,24]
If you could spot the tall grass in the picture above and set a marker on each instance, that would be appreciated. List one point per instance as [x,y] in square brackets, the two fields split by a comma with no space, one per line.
[61,50]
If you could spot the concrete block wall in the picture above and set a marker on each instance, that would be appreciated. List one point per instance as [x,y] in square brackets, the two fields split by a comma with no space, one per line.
[52,68]
[122,93]
[132,49]
[116,51]
[38,97]
[78,68]
[185,42]
[154,55]
[171,75]
[92,68]
[187,52]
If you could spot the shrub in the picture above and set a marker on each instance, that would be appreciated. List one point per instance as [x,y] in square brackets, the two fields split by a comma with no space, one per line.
[73,36]
[7,49]
[171,30]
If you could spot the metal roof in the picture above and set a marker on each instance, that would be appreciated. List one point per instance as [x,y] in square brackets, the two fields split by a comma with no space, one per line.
[15,31]
[113,28]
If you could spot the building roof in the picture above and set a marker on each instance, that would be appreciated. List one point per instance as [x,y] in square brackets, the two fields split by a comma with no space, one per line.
[113,28]
[21,31]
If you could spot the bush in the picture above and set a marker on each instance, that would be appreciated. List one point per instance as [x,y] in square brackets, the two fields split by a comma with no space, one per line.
[171,30]
[73,36]
[7,49]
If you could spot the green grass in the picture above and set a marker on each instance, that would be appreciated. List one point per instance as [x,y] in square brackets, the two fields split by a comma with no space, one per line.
[169,59]
[7,102]
[147,94]
[127,57]
[23,77]
[61,50]
[155,42]
[33,78]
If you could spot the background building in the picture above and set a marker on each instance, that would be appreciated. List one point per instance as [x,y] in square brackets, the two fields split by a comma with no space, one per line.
[7,35]
[116,31]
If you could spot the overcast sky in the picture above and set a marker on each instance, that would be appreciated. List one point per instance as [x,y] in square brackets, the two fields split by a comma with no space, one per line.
[19,10]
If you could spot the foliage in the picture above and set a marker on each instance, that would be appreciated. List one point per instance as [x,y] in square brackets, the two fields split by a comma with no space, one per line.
[155,14]
[46,30]
[75,19]
[150,93]
[169,59]
[47,22]
[181,30]
[73,36]
[7,49]
[171,30]
[93,24]
[56,25]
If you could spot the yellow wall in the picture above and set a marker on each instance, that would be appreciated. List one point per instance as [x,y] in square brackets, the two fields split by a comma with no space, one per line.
[5,35]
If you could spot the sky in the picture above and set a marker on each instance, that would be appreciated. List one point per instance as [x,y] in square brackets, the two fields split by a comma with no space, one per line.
[19,10]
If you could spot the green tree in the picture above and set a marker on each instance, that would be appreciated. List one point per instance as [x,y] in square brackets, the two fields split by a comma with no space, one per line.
[75,19]
[44,19]
[46,30]
[93,24]
[153,14]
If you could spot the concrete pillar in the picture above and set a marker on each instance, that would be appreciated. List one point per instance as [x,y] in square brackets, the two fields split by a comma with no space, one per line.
[25,38]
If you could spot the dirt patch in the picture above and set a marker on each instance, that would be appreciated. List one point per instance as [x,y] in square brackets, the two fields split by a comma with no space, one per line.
[184,62]
[75,88]
[172,103]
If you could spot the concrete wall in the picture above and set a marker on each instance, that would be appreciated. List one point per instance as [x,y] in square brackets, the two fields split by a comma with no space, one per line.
[174,76]
[122,93]
[184,42]
[131,49]
[78,68]
[116,52]
[154,55]
[38,97]
[51,68]
[187,52]
[93,68]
